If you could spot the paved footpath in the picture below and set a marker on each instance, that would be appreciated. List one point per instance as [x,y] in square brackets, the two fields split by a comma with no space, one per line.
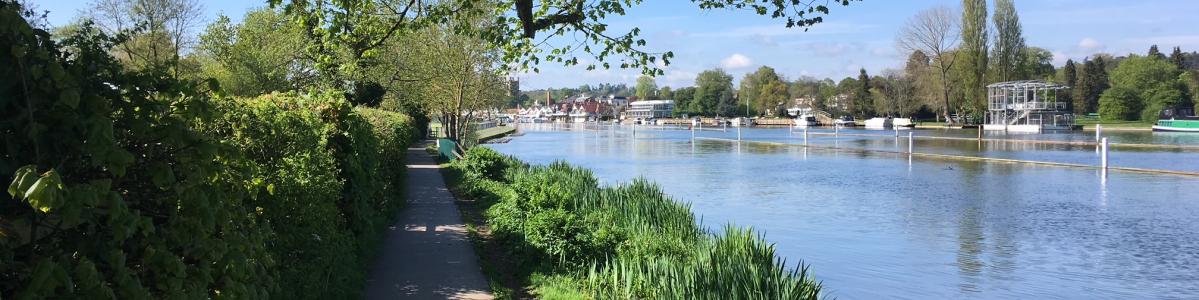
[426,254]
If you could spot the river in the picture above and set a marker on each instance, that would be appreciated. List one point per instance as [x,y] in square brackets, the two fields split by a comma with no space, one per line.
[876,225]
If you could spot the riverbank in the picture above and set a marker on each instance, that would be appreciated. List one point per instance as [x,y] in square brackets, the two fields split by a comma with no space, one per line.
[554,232]
[1090,125]
[494,133]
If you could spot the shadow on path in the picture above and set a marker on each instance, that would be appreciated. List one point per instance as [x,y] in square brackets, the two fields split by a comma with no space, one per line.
[427,254]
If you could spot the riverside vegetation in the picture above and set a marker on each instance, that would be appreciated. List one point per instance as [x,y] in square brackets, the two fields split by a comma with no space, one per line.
[130,184]
[571,238]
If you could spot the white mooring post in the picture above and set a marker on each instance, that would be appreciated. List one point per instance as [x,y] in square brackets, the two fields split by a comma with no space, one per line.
[836,130]
[693,132]
[1103,155]
[805,136]
[738,133]
[911,142]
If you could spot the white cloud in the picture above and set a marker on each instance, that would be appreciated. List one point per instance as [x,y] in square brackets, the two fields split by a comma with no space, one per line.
[1090,44]
[736,61]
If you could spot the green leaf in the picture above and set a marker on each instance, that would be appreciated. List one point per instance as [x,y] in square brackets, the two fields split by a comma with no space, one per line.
[22,179]
[43,195]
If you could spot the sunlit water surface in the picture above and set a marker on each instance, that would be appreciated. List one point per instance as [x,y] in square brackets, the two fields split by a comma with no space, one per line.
[881,225]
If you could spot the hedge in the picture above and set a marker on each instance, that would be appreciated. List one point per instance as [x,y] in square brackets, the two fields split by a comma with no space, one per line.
[577,239]
[136,185]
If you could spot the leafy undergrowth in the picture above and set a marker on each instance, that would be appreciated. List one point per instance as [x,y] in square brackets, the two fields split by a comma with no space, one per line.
[555,233]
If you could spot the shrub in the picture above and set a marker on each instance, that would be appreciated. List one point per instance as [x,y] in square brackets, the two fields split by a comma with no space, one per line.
[135,185]
[113,194]
[297,189]
[631,241]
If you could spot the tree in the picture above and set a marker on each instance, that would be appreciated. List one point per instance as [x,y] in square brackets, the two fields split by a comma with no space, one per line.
[1142,86]
[1097,80]
[763,90]
[646,88]
[863,103]
[682,101]
[1036,63]
[1009,52]
[523,30]
[158,31]
[255,57]
[1154,53]
[665,93]
[974,53]
[713,94]
[1178,59]
[934,32]
[463,75]
[1069,77]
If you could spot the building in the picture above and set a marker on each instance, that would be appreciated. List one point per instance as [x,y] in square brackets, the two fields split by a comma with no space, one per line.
[802,106]
[839,103]
[1026,106]
[651,109]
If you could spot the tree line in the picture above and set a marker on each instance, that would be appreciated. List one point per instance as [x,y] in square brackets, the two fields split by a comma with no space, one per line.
[952,54]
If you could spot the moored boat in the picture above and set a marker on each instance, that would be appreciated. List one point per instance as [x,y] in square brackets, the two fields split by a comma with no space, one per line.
[845,121]
[879,123]
[1179,119]
[806,120]
[903,122]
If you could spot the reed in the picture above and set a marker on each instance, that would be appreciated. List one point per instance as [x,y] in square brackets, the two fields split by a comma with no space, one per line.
[620,242]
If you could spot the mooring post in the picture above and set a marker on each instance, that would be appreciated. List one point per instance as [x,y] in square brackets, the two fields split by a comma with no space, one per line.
[1103,160]
[693,132]
[805,136]
[911,141]
[738,133]
[836,130]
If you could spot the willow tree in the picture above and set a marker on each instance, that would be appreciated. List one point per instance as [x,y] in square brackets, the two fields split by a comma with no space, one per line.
[974,53]
[934,33]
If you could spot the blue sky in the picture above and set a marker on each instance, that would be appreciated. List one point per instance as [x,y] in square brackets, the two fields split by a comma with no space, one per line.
[861,35]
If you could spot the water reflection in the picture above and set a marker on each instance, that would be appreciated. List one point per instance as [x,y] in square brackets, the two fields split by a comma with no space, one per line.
[875,226]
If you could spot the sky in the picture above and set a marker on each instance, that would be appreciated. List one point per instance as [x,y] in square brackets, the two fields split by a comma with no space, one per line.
[861,35]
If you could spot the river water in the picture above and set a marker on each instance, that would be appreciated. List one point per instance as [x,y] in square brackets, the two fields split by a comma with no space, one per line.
[876,225]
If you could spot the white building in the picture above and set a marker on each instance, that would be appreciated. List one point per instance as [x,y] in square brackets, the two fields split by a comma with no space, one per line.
[650,109]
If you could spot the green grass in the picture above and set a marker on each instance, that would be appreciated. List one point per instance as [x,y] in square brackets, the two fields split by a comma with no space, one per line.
[493,132]
[561,235]
[1089,124]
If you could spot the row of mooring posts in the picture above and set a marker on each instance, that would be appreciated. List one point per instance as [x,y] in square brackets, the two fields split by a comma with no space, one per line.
[1102,146]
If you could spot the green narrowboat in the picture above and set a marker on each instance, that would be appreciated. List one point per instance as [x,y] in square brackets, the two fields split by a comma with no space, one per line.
[1179,119]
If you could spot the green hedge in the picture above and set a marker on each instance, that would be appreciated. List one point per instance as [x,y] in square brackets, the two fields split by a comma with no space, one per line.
[618,242]
[136,185]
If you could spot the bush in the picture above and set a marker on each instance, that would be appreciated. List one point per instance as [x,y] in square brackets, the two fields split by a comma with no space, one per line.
[623,242]
[113,194]
[135,185]
[297,189]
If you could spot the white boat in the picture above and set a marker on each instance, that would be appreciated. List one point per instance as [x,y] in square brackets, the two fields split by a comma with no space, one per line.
[845,121]
[879,123]
[903,122]
[806,120]
[743,122]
